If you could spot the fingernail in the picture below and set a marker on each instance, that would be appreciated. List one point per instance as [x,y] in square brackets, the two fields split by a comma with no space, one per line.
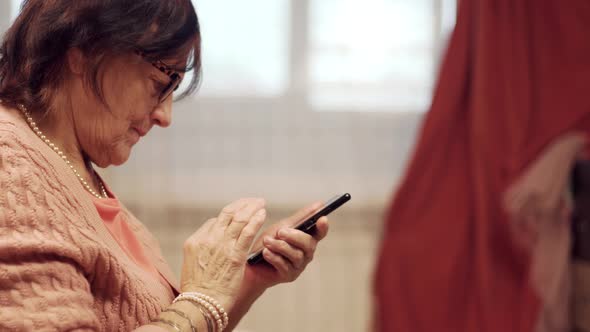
[268,253]
[282,233]
[267,240]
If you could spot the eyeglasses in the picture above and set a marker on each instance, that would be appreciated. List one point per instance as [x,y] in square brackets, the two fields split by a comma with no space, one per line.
[175,78]
[174,83]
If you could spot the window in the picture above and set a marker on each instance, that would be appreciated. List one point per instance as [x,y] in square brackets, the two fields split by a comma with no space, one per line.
[360,55]
[375,54]
[245,47]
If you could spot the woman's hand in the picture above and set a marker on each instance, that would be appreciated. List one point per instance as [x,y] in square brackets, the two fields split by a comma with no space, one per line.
[215,255]
[537,196]
[287,251]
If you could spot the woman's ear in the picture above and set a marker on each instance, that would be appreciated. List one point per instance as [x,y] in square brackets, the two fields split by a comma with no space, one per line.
[76,61]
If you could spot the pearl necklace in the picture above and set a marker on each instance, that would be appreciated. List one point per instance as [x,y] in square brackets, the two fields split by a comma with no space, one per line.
[39,133]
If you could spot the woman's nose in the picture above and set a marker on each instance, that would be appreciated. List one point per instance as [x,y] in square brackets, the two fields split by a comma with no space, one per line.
[162,114]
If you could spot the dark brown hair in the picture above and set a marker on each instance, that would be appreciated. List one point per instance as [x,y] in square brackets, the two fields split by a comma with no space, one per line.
[33,52]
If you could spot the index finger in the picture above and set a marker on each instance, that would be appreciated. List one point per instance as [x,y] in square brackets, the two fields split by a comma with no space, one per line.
[227,213]
[302,213]
[243,216]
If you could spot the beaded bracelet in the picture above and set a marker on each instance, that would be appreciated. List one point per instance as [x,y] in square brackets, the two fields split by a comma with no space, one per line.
[216,305]
[203,304]
[205,313]
[220,310]
[207,319]
[183,315]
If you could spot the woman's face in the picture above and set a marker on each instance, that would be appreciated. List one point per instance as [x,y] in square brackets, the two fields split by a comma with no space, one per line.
[131,88]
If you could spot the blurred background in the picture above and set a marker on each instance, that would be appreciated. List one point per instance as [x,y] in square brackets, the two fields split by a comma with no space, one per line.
[300,100]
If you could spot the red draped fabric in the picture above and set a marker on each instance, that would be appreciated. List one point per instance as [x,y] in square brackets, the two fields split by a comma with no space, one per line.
[516,76]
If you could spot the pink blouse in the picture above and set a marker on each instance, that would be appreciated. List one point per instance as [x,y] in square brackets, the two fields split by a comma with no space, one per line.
[110,212]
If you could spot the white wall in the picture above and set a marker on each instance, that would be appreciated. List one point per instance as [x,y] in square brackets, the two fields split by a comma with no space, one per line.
[219,150]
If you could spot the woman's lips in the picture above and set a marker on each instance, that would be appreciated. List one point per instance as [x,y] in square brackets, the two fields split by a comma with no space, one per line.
[136,135]
[140,132]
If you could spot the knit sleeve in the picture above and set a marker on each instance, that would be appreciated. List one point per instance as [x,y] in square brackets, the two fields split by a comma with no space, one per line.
[42,286]
[42,293]
[40,290]
[48,260]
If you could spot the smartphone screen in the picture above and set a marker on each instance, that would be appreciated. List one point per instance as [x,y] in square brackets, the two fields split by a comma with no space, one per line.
[308,224]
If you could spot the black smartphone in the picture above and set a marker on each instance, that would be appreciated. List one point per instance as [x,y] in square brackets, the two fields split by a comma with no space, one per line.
[308,224]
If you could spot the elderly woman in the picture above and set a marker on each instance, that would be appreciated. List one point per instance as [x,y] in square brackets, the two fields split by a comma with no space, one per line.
[80,83]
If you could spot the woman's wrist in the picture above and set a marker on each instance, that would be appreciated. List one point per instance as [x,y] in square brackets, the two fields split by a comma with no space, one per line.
[248,296]
[244,301]
[210,308]
[226,301]
[235,307]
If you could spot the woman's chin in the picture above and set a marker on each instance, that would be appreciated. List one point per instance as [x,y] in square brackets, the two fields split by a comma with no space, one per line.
[120,158]
[117,162]
[115,158]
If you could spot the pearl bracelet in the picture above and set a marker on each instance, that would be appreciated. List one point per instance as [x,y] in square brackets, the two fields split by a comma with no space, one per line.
[208,319]
[216,304]
[215,309]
